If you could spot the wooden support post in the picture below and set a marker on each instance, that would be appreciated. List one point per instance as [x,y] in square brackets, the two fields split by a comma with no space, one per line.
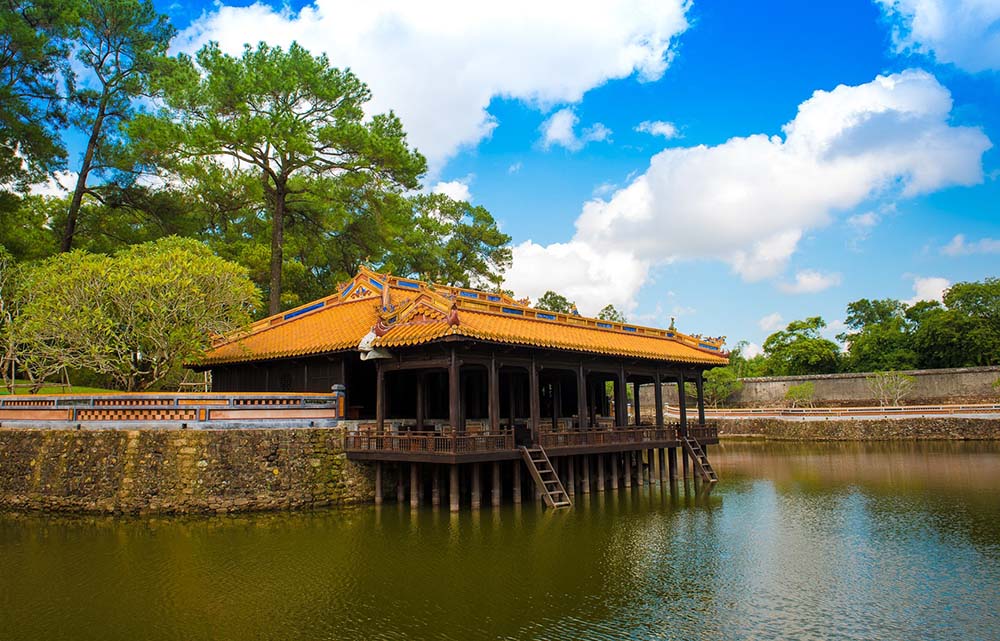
[453,495]
[672,462]
[661,456]
[454,394]
[495,493]
[684,460]
[570,475]
[682,405]
[635,403]
[415,485]
[378,483]
[581,399]
[517,482]
[700,383]
[628,470]
[658,400]
[534,404]
[600,472]
[493,402]
[420,401]
[621,399]
[615,468]
[585,461]
[476,489]
[647,469]
[654,461]
[435,485]
[400,485]
[379,397]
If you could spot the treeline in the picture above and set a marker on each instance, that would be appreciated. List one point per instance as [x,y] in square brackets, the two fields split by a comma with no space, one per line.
[888,335]
[272,159]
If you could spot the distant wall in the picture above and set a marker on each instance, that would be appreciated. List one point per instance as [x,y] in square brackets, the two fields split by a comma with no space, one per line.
[936,428]
[130,471]
[932,386]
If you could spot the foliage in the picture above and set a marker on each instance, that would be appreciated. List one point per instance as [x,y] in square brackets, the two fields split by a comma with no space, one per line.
[799,349]
[881,336]
[609,313]
[132,317]
[720,384]
[890,388]
[553,302]
[744,367]
[801,394]
[33,61]
[119,43]
[296,123]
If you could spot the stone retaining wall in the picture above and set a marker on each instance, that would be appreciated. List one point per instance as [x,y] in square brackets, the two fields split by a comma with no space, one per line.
[943,428]
[177,471]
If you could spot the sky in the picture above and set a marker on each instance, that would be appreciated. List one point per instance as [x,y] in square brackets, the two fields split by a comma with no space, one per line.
[734,165]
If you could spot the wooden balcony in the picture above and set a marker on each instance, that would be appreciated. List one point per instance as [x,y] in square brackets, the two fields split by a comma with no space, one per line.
[618,439]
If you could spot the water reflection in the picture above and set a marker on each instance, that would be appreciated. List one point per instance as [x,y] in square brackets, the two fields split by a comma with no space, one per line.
[833,541]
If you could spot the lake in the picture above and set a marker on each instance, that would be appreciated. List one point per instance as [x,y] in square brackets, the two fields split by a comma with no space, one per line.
[804,541]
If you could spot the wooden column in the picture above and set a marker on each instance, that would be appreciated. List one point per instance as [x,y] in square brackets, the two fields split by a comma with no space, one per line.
[495,493]
[420,401]
[654,460]
[477,492]
[516,490]
[600,472]
[615,469]
[672,463]
[647,469]
[378,483]
[379,397]
[581,399]
[534,400]
[635,403]
[684,461]
[435,485]
[400,486]
[571,475]
[414,485]
[700,383]
[453,495]
[682,404]
[658,399]
[454,394]
[621,399]
[628,469]
[494,395]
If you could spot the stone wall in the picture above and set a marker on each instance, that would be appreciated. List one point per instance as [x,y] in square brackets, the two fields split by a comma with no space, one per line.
[133,471]
[943,428]
[931,387]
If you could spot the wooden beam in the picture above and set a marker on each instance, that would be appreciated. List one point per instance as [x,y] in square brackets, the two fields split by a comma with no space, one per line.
[494,396]
[516,489]
[635,403]
[621,399]
[581,399]
[534,401]
[453,495]
[682,404]
[415,485]
[454,394]
[699,381]
[495,492]
[658,399]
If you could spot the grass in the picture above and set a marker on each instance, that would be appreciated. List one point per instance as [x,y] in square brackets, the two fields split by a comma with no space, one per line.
[56,389]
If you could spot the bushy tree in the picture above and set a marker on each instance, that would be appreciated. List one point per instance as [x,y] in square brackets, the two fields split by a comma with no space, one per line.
[801,394]
[553,302]
[890,388]
[881,336]
[720,384]
[799,349]
[610,313]
[132,317]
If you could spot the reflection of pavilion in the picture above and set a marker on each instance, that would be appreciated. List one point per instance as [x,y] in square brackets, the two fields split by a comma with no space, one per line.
[445,375]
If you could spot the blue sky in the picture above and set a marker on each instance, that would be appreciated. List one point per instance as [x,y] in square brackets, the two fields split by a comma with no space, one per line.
[766,201]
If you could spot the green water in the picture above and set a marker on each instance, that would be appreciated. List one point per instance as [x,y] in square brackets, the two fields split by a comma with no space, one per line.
[797,542]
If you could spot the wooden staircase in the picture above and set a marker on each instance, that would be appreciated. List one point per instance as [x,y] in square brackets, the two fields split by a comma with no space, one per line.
[546,479]
[700,460]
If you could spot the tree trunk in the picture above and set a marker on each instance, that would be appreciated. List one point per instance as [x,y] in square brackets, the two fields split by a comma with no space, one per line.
[81,180]
[277,246]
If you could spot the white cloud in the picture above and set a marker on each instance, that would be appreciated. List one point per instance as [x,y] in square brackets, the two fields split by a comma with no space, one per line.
[60,184]
[959,247]
[771,322]
[658,128]
[749,200]
[455,189]
[560,129]
[514,168]
[752,350]
[963,32]
[930,288]
[862,224]
[439,64]
[810,281]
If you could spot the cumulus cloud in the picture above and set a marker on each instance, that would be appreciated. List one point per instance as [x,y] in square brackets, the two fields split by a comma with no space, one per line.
[59,184]
[810,281]
[929,288]
[771,322]
[455,189]
[749,200]
[965,33]
[862,224]
[439,64]
[958,246]
[658,128]
[560,129]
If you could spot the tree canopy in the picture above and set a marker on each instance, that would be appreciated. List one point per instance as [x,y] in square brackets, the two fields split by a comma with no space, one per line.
[610,313]
[553,302]
[799,349]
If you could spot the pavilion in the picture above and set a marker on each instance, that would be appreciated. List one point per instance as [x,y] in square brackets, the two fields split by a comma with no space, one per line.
[438,376]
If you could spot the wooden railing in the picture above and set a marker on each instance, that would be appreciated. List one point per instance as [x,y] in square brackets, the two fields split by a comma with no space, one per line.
[428,442]
[614,436]
[703,432]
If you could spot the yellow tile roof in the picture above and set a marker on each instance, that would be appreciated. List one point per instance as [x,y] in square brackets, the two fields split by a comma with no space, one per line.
[411,312]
